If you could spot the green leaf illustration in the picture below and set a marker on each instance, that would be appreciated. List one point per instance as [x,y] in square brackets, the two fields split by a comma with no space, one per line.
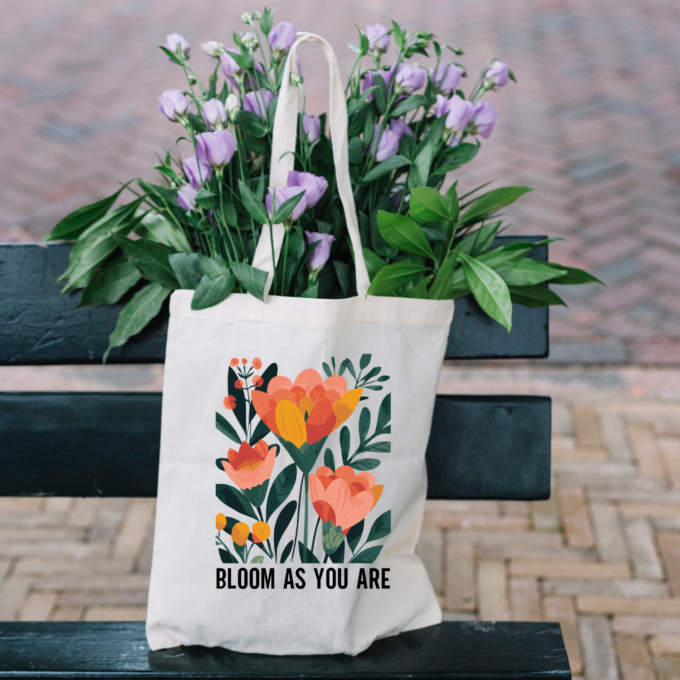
[282,523]
[329,459]
[258,559]
[365,464]
[235,500]
[281,488]
[227,557]
[257,494]
[226,428]
[364,423]
[368,556]
[306,555]
[354,535]
[345,441]
[332,537]
[286,552]
[381,527]
[385,412]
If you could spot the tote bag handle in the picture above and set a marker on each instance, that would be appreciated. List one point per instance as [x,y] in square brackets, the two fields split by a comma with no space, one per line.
[284,137]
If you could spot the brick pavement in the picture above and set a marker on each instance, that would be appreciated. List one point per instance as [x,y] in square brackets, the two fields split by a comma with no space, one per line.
[602,556]
[593,126]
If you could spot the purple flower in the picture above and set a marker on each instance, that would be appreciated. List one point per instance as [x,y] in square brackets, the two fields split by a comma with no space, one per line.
[400,128]
[369,80]
[446,77]
[322,252]
[277,197]
[442,107]
[176,44]
[215,148]
[387,146]
[173,104]
[191,170]
[496,75]
[214,114]
[378,38]
[410,78]
[229,67]
[313,185]
[311,127]
[484,119]
[459,114]
[258,102]
[186,198]
[282,37]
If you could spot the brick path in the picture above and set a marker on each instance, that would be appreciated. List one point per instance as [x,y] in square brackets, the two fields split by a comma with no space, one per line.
[602,557]
[593,126]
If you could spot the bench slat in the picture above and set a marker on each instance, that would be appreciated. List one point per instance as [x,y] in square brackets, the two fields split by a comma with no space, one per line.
[40,327]
[462,650]
[107,444]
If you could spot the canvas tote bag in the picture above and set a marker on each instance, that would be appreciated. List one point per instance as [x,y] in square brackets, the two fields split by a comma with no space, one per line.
[292,476]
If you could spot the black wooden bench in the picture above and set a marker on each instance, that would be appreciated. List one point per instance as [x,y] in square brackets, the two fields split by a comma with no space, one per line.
[112,448]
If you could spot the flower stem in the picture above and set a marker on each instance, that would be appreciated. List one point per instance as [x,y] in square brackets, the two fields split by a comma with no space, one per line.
[297,525]
[306,514]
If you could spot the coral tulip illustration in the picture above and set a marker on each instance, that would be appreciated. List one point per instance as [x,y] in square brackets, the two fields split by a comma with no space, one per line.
[284,423]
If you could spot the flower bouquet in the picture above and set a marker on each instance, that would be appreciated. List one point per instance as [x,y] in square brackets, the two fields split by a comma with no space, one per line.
[408,128]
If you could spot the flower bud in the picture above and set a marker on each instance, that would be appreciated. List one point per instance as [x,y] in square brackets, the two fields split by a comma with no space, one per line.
[197,172]
[249,17]
[173,105]
[446,77]
[261,532]
[229,67]
[213,48]
[311,128]
[496,75]
[409,78]
[378,38]
[296,79]
[282,37]
[240,533]
[232,106]
[250,41]
[186,198]
[322,252]
[215,114]
[176,44]
[220,522]
[483,120]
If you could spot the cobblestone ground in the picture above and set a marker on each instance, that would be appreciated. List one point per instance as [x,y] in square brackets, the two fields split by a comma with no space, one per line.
[593,125]
[602,557]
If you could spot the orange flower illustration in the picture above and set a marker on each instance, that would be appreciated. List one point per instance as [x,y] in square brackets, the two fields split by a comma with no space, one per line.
[343,497]
[229,402]
[308,409]
[257,364]
[251,465]
[233,362]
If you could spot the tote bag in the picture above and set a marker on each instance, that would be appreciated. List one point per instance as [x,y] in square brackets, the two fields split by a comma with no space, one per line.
[292,475]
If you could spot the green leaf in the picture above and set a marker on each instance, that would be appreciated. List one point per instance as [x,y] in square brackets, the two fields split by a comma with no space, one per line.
[212,268]
[364,423]
[365,464]
[384,413]
[427,205]
[95,245]
[251,123]
[260,432]
[156,227]
[286,208]
[281,488]
[483,239]
[187,268]
[451,201]
[489,289]
[170,55]
[251,203]
[282,522]
[258,559]
[135,316]
[393,276]
[347,364]
[381,527]
[491,203]
[311,292]
[150,258]
[75,223]
[528,272]
[408,104]
[442,288]
[251,278]
[457,156]
[306,555]
[573,277]
[331,537]
[211,292]
[227,557]
[345,442]
[384,168]
[354,535]
[535,296]
[420,291]
[374,263]
[329,459]
[110,283]
[327,369]
[287,551]
[368,556]
[404,233]
[232,497]
[226,428]
[257,494]
[380,94]
[379,447]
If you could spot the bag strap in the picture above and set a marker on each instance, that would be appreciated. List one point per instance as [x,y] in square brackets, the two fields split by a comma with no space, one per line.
[284,137]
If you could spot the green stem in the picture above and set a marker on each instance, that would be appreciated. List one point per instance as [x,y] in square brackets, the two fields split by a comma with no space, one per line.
[306,515]
[297,525]
[318,521]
